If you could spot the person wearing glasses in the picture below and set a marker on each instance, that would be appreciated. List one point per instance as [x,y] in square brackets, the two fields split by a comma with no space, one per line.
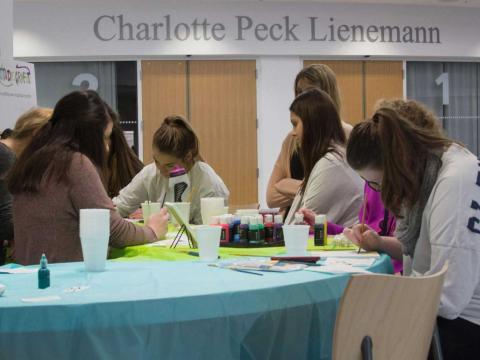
[432,185]
[377,217]
[330,186]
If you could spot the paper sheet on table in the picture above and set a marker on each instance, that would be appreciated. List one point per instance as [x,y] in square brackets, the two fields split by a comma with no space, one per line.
[18,271]
[345,254]
[363,262]
[338,269]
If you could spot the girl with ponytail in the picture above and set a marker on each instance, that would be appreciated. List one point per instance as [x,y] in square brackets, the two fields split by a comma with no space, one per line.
[432,186]
[175,144]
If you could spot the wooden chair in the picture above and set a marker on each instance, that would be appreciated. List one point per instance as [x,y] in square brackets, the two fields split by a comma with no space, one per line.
[387,317]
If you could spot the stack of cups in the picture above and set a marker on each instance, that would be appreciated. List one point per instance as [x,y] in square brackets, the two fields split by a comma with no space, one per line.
[209,207]
[94,236]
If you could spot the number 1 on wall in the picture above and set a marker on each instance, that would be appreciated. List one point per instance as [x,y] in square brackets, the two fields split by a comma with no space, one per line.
[443,80]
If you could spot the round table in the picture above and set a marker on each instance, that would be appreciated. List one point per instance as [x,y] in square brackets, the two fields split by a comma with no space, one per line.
[171,310]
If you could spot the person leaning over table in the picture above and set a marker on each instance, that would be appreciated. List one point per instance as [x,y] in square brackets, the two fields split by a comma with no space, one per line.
[59,173]
[288,172]
[330,186]
[377,217]
[174,143]
[431,184]
[10,148]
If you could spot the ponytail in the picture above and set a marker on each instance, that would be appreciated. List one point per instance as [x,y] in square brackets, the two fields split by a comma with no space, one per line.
[177,138]
[392,144]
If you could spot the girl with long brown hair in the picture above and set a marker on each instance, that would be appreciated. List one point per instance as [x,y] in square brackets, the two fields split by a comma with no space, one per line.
[59,173]
[330,186]
[175,143]
[288,173]
[432,185]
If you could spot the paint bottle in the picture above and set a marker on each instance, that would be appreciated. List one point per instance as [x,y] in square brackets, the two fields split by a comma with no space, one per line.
[261,229]
[299,219]
[320,230]
[269,228]
[253,235]
[235,229]
[243,229]
[225,236]
[43,274]
[278,229]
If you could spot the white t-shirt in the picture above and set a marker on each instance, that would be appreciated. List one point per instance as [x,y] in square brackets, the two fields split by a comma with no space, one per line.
[450,231]
[334,189]
[150,185]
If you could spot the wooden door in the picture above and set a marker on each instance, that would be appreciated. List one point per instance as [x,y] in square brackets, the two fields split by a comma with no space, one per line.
[223,112]
[383,80]
[164,92]
[350,83]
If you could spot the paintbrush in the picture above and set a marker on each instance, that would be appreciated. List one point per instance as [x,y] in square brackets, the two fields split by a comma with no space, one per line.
[362,226]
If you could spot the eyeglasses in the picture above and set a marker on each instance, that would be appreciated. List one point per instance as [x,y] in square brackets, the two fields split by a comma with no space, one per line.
[374,185]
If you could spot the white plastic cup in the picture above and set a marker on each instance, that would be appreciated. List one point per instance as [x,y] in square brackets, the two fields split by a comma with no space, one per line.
[183,209]
[211,207]
[296,239]
[94,235]
[208,241]
[155,207]
[145,211]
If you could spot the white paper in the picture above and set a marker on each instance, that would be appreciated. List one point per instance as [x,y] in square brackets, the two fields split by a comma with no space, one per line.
[41,299]
[338,269]
[345,254]
[18,271]
[362,262]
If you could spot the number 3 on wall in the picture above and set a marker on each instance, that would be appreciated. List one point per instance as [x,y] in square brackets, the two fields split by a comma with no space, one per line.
[86,81]
[443,80]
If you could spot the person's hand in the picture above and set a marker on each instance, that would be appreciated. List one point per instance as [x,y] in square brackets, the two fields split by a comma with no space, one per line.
[308,216]
[158,222]
[364,237]
[137,215]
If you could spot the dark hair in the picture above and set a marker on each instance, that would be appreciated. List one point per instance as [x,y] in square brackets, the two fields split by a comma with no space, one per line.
[122,163]
[390,143]
[322,128]
[177,138]
[6,133]
[77,124]
[322,77]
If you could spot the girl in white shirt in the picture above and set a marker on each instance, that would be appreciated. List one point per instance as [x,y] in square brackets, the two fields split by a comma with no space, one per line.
[330,186]
[432,185]
[174,144]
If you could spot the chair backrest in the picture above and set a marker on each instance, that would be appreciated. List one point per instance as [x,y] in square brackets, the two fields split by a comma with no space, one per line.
[398,313]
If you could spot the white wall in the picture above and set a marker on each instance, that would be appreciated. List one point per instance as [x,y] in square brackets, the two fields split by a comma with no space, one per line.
[6,29]
[274,95]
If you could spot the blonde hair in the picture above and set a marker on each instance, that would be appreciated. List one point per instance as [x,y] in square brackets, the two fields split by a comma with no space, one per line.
[30,122]
[322,77]
[415,112]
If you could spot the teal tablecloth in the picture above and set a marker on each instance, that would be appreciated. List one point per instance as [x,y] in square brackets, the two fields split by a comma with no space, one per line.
[171,310]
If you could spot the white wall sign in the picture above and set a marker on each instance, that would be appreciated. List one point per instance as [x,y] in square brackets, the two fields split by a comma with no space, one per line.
[150,28]
[6,29]
[17,90]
